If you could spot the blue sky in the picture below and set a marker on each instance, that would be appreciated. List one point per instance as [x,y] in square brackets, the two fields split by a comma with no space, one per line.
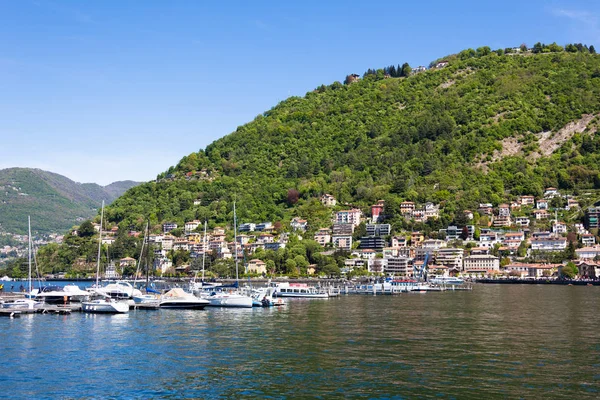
[101,91]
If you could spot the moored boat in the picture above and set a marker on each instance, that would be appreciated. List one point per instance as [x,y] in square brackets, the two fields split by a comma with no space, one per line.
[178,298]
[301,290]
[105,306]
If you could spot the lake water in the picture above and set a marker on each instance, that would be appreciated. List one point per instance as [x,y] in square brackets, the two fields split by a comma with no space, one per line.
[506,341]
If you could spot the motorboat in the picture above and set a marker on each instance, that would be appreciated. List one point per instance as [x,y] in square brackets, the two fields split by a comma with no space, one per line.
[228,298]
[301,290]
[263,297]
[105,306]
[21,304]
[120,290]
[53,295]
[77,294]
[147,300]
[178,298]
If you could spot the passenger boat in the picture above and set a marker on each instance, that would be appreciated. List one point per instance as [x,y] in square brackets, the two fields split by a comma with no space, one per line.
[446,280]
[301,290]
[178,298]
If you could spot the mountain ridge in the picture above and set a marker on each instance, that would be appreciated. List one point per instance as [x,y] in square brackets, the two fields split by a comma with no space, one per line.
[54,201]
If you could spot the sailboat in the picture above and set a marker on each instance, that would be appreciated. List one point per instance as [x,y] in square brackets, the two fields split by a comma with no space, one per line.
[226,296]
[145,299]
[27,303]
[104,304]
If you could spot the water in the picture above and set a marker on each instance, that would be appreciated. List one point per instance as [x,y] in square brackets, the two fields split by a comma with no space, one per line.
[505,341]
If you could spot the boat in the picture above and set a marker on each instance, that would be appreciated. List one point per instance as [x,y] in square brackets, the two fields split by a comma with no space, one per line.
[446,280]
[21,304]
[53,295]
[230,296]
[301,290]
[120,290]
[104,304]
[178,298]
[27,303]
[263,297]
[77,294]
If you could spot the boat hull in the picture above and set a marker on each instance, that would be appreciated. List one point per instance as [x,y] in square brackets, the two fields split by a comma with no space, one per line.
[230,301]
[104,307]
[183,305]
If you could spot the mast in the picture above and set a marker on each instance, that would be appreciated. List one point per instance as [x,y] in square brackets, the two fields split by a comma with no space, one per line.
[235,240]
[29,227]
[147,241]
[203,250]
[99,245]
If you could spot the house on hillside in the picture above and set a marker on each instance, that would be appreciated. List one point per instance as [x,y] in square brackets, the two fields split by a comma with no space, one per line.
[328,200]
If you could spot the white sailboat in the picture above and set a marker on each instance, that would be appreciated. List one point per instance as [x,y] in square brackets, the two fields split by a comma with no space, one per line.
[105,304]
[24,303]
[227,296]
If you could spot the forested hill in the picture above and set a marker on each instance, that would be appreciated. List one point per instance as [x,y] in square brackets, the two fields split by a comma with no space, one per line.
[486,127]
[54,202]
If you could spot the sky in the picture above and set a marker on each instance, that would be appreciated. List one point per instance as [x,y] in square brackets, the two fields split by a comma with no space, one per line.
[103,91]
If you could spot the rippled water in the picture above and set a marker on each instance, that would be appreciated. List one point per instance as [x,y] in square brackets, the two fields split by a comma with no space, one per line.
[496,341]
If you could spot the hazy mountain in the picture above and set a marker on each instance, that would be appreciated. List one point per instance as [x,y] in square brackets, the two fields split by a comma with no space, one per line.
[54,202]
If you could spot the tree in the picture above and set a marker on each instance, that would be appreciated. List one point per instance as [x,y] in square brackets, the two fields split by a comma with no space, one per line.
[523,47]
[86,229]
[406,70]
[592,49]
[292,196]
[464,235]
[569,271]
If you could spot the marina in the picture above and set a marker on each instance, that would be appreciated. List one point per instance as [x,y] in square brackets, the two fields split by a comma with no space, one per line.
[319,348]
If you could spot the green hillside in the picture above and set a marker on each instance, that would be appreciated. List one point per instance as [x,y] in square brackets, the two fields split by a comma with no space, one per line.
[54,202]
[485,128]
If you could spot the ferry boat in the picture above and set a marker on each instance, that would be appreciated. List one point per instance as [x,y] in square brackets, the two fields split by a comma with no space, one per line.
[301,290]
[446,280]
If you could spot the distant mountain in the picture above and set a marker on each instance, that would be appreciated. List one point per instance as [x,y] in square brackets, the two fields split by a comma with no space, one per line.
[54,202]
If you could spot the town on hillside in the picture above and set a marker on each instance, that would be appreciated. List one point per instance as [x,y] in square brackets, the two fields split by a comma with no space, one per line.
[523,238]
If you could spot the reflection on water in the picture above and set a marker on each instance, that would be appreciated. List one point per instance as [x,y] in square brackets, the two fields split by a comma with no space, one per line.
[496,341]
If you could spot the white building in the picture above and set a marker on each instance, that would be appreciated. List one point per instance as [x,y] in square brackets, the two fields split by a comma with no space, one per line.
[398,266]
[343,242]
[348,217]
[478,263]
[549,244]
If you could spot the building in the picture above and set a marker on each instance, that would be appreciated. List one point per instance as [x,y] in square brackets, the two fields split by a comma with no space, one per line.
[478,263]
[265,238]
[450,257]
[592,218]
[169,226]
[264,226]
[343,229]
[559,228]
[298,224]
[541,214]
[343,242]
[588,269]
[416,238]
[587,239]
[348,217]
[432,211]
[407,207]
[550,193]
[399,241]
[522,221]
[247,227]
[323,236]
[526,201]
[256,266]
[378,229]
[549,244]
[398,266]
[328,200]
[377,211]
[191,226]
[453,233]
[541,204]
[376,243]
[504,210]
[377,265]
[588,253]
[530,270]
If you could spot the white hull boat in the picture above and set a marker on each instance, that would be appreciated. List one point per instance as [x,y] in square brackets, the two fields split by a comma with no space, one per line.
[224,299]
[178,298]
[105,306]
[299,290]
[21,304]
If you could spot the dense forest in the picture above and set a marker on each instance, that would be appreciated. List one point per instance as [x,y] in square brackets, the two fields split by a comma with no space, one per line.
[486,127]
